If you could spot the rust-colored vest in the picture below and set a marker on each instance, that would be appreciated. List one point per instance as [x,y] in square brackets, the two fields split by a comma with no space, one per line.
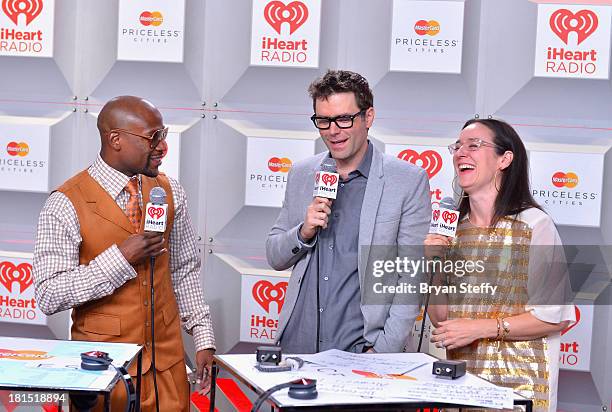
[125,315]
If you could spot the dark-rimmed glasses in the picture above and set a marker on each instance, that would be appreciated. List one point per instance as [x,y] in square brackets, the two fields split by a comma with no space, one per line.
[471,145]
[155,139]
[344,121]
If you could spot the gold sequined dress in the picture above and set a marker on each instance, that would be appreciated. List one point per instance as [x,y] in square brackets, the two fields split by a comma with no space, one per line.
[520,256]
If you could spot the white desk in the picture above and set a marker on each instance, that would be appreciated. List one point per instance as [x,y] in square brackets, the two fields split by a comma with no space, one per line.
[350,389]
[55,365]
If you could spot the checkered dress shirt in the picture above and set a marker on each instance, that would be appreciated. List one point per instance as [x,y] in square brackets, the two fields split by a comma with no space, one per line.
[61,283]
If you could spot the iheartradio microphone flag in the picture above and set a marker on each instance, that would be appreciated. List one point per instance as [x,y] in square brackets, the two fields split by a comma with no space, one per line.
[326,184]
[155,217]
[444,219]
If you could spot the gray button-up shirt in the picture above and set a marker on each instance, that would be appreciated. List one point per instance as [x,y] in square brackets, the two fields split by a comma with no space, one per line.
[333,272]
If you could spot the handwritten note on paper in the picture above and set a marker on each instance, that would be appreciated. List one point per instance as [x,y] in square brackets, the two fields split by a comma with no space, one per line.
[487,395]
[353,387]
[381,364]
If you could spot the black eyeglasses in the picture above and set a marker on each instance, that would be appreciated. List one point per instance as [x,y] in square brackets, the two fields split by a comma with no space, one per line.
[344,121]
[155,139]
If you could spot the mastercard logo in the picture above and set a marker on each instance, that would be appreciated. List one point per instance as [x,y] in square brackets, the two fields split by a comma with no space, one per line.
[569,180]
[148,18]
[18,149]
[423,27]
[282,164]
[24,354]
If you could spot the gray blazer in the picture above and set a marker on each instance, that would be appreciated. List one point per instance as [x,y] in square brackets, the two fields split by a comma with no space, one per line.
[396,211]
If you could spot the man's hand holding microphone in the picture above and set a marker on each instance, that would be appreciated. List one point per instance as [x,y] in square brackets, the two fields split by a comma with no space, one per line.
[325,190]
[149,244]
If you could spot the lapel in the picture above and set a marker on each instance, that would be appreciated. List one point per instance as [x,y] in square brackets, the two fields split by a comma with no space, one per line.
[100,203]
[369,208]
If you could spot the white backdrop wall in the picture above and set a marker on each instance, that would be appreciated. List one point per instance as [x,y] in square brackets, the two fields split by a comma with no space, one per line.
[229,110]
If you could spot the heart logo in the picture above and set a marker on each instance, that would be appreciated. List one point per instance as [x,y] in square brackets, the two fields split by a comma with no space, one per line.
[329,179]
[30,8]
[22,274]
[156,212]
[435,215]
[564,331]
[294,13]
[265,292]
[449,217]
[430,160]
[563,22]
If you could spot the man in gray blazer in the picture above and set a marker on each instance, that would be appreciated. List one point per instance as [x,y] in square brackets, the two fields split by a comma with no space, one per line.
[382,210]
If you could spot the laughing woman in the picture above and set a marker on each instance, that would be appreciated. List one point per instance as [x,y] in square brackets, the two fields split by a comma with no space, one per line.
[510,337]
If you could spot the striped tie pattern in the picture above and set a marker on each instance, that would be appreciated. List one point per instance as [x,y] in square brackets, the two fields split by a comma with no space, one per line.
[132,209]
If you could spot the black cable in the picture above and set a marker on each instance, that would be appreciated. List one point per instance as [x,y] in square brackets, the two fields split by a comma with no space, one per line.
[262,398]
[431,275]
[129,388]
[318,299]
[152,264]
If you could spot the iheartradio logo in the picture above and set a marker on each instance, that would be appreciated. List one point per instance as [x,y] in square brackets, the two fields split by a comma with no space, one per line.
[18,149]
[449,217]
[148,18]
[423,27]
[21,273]
[282,164]
[329,179]
[569,180]
[583,23]
[30,8]
[295,14]
[264,293]
[155,212]
[430,160]
[435,215]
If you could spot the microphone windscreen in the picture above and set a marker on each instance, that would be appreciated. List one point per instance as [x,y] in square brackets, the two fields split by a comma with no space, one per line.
[448,203]
[157,195]
[329,165]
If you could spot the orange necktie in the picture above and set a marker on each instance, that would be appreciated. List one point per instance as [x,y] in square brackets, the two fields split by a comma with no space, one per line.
[132,209]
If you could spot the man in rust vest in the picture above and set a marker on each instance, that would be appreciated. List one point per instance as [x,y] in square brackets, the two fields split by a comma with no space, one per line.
[92,255]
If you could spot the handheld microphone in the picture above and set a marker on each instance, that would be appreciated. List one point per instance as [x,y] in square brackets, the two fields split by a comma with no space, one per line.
[156,214]
[444,219]
[326,179]
[156,211]
[326,185]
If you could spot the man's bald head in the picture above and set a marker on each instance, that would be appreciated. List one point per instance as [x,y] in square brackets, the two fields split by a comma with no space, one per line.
[127,125]
[123,111]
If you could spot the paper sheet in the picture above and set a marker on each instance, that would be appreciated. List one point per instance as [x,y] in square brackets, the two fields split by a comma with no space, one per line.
[376,363]
[340,385]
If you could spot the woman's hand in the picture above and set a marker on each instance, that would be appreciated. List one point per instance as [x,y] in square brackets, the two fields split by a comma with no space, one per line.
[436,245]
[457,333]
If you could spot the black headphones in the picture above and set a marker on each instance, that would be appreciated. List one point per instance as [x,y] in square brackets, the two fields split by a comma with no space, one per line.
[95,360]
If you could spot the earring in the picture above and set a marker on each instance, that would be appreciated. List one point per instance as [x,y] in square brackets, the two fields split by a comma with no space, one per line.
[495,182]
[454,185]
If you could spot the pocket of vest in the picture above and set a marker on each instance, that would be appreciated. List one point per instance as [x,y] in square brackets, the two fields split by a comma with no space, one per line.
[170,312]
[102,324]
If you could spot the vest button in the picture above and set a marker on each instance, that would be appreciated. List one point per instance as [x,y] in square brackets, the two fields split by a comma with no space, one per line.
[145,303]
[144,283]
[147,324]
